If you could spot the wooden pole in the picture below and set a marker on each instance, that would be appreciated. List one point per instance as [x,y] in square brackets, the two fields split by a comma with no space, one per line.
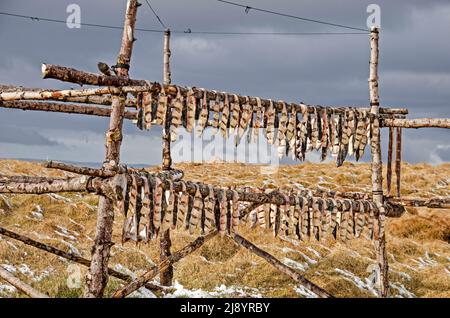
[69,256]
[166,275]
[152,272]
[398,160]
[417,123]
[97,277]
[280,266]
[25,288]
[64,108]
[377,167]
[84,170]
[389,161]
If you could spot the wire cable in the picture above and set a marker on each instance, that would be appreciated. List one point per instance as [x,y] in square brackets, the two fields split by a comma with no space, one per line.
[188,31]
[156,15]
[248,8]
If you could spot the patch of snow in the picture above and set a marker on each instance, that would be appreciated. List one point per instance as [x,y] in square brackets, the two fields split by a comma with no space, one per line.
[305,292]
[309,260]
[125,270]
[300,266]
[220,291]
[72,248]
[9,268]
[316,253]
[447,270]
[366,285]
[12,245]
[76,223]
[7,289]
[402,291]
[142,293]
[402,274]
[58,197]
[25,270]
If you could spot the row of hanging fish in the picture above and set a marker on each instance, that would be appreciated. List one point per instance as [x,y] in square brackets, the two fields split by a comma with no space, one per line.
[295,132]
[148,209]
[317,218]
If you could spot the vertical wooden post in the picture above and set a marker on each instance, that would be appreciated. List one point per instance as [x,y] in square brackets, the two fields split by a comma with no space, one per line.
[398,159]
[167,159]
[166,275]
[97,278]
[389,161]
[377,167]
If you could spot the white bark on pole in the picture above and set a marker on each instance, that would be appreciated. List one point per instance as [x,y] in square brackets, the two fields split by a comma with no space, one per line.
[166,275]
[417,123]
[25,288]
[97,277]
[377,167]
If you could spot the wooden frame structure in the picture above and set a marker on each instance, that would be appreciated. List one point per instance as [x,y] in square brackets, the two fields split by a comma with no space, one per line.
[108,181]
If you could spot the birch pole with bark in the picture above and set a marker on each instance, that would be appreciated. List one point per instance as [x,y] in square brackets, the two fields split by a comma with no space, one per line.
[97,278]
[377,167]
[166,274]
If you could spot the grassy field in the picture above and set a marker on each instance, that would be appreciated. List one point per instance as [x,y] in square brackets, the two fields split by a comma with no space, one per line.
[418,243]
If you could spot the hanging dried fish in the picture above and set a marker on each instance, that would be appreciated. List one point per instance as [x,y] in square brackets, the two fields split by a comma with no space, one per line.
[305,220]
[334,219]
[168,207]
[325,135]
[364,136]
[284,212]
[276,218]
[235,114]
[270,119]
[225,117]
[140,112]
[177,111]
[147,102]
[337,134]
[351,129]
[282,128]
[303,133]
[146,210]
[259,120]
[370,220]
[129,225]
[291,131]
[209,205]
[316,207]
[361,219]
[196,212]
[191,109]
[204,114]
[318,122]
[223,207]
[246,116]
[161,111]
[327,209]
[344,144]
[215,106]
[295,218]
[234,211]
[157,205]
[262,212]
[314,136]
[182,205]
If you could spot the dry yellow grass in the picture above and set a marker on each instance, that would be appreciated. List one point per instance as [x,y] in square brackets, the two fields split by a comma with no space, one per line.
[418,243]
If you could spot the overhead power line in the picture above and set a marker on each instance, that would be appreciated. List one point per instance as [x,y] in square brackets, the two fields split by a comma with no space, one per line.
[188,31]
[248,8]
[156,15]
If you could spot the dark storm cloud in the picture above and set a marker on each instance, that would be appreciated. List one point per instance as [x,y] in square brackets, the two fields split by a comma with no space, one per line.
[329,70]
[16,135]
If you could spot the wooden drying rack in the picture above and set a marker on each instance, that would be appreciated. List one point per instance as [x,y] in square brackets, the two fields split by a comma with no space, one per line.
[113,91]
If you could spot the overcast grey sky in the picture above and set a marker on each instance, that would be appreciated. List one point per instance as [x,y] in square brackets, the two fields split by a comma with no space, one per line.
[328,70]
